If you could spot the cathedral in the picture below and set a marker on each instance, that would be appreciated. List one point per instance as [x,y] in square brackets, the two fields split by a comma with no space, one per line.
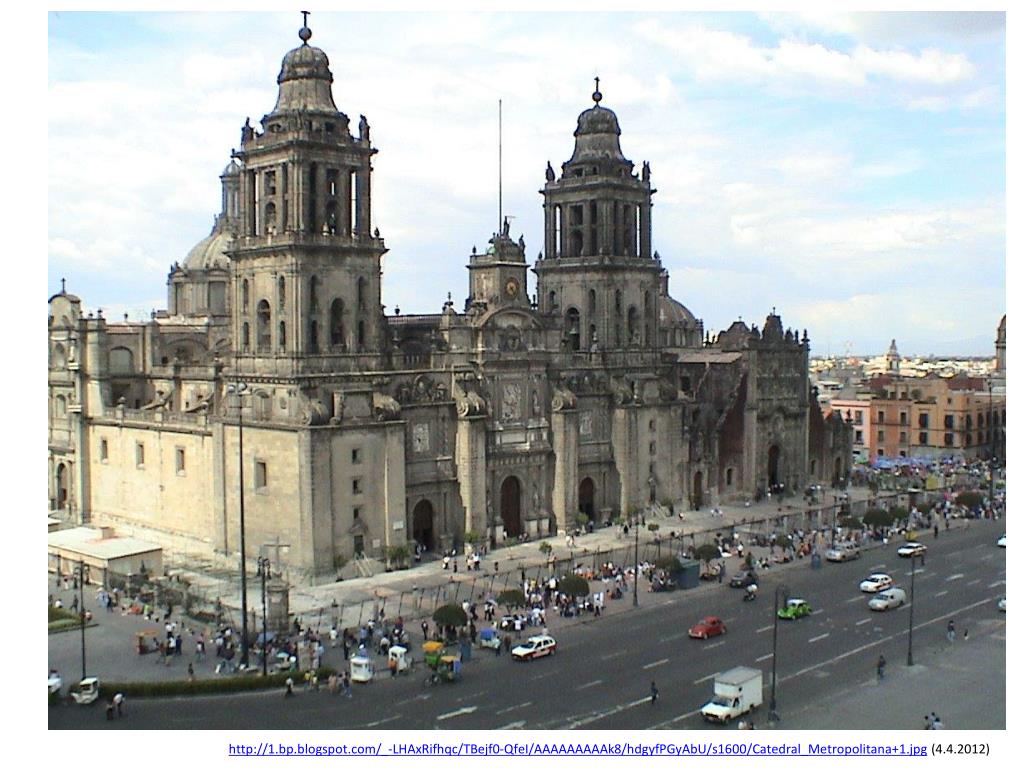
[274,382]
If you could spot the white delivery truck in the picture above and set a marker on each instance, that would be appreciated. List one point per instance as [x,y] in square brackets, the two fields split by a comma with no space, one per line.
[737,692]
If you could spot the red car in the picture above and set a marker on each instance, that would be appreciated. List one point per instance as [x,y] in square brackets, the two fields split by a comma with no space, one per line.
[707,627]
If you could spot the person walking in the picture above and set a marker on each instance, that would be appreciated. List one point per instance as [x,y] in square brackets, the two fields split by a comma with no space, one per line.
[881,667]
[965,634]
[424,626]
[346,685]
[654,693]
[950,631]
[119,703]
[191,673]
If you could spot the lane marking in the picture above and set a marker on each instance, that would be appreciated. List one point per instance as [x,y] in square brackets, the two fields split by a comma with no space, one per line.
[517,725]
[670,638]
[996,584]
[655,663]
[943,592]
[989,556]
[456,713]
[590,684]
[763,629]
[862,621]
[713,645]
[972,583]
[608,713]
[510,709]
[385,720]
[613,655]
[819,637]
[954,577]
[855,599]
[763,658]
[705,678]
[471,696]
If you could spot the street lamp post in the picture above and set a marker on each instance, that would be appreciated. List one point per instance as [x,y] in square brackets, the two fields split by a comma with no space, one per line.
[264,568]
[636,563]
[81,609]
[238,389]
[910,634]
[991,455]
[773,715]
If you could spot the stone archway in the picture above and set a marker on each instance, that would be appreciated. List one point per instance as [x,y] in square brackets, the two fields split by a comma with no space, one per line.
[773,467]
[61,495]
[511,509]
[586,498]
[698,490]
[423,524]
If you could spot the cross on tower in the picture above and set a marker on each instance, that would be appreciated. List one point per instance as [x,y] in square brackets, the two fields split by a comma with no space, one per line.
[305,15]
[597,90]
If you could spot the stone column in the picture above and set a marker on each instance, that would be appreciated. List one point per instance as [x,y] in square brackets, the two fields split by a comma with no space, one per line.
[624,451]
[471,467]
[564,492]
[645,230]
[395,523]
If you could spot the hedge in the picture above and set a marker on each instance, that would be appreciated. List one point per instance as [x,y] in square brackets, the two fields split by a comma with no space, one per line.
[234,683]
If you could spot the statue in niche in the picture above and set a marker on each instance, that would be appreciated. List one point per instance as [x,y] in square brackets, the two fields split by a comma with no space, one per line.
[247,131]
[536,403]
[645,172]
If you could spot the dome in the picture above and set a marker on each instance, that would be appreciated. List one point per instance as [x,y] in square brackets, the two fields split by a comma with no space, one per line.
[597,137]
[305,79]
[674,313]
[209,253]
[232,169]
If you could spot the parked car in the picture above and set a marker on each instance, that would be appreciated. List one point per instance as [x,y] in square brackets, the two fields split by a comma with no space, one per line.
[534,648]
[795,608]
[876,582]
[743,578]
[893,597]
[707,627]
[1001,605]
[912,549]
[842,551]
[55,682]
[1001,541]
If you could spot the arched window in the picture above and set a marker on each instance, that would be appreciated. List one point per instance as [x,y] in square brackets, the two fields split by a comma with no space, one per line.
[618,303]
[245,337]
[263,326]
[572,328]
[592,303]
[280,292]
[633,326]
[121,360]
[282,336]
[270,219]
[314,342]
[552,301]
[361,335]
[245,297]
[313,301]
[337,328]
[58,357]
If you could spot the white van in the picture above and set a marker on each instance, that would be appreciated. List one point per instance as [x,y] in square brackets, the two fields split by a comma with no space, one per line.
[842,551]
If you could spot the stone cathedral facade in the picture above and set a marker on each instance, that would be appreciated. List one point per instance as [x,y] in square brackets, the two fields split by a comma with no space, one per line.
[276,371]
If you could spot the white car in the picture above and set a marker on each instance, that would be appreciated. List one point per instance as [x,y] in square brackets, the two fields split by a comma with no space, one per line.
[1001,605]
[534,648]
[912,549]
[893,597]
[1001,541]
[876,582]
[55,683]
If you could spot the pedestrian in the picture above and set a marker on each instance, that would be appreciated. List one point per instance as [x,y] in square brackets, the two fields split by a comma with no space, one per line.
[507,642]
[119,703]
[936,530]
[950,631]
[721,572]
[965,634]
[191,673]
[346,685]
[654,693]
[289,688]
[74,605]
[424,626]
[881,667]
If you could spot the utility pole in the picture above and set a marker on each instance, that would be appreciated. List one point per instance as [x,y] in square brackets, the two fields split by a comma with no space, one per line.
[773,714]
[81,609]
[636,563]
[910,634]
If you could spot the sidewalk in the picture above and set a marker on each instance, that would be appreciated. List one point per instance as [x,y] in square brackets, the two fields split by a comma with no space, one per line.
[964,684]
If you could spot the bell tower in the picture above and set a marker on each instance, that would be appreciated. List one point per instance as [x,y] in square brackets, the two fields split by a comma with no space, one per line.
[597,269]
[306,266]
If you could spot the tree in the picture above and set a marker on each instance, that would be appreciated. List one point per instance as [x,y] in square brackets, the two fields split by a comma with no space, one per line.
[545,548]
[653,527]
[512,598]
[876,517]
[574,586]
[450,615]
[707,553]
[969,499]
[669,564]
[397,556]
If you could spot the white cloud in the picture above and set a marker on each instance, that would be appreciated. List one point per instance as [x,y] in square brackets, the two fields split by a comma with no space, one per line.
[931,66]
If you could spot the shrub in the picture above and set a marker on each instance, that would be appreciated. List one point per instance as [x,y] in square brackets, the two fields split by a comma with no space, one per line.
[877,517]
[574,586]
[228,684]
[450,615]
[545,548]
[969,499]
[669,564]
[512,598]
[707,552]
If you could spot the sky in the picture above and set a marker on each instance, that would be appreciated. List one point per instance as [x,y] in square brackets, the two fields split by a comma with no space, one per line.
[848,170]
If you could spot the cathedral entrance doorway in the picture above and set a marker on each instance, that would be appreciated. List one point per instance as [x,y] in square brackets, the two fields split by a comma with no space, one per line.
[773,467]
[423,524]
[510,512]
[62,486]
[587,498]
[698,490]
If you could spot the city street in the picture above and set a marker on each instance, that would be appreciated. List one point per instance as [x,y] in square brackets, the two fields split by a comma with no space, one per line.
[601,674]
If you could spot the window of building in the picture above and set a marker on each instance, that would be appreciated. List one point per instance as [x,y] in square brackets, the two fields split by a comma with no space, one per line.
[357,456]
[60,406]
[922,438]
[104,455]
[922,420]
[281,285]
[858,417]
[881,417]
[357,545]
[245,337]
[263,326]
[947,422]
[260,475]
[948,439]
[903,437]
[357,485]
[651,425]
[140,455]
[858,436]
[653,448]
[245,297]
[967,438]
[728,476]
[356,512]
[282,335]
[903,418]
[903,453]
[270,182]
[179,460]
[881,435]
[880,452]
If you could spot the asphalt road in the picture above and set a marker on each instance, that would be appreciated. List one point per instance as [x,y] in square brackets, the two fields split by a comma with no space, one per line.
[600,677]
